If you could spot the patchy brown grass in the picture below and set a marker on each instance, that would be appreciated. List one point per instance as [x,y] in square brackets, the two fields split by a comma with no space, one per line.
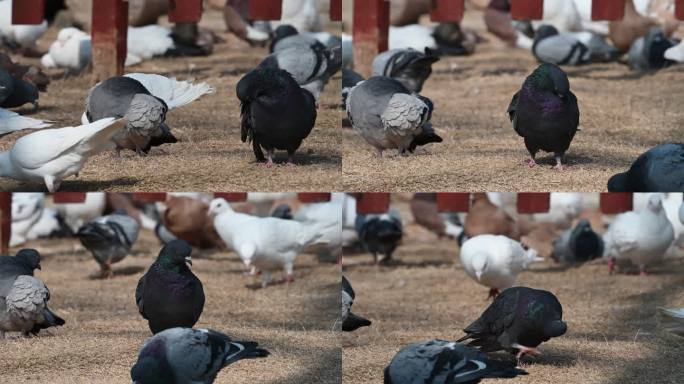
[613,335]
[209,156]
[104,330]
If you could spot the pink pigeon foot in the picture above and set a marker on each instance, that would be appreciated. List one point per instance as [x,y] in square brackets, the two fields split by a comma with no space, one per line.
[530,162]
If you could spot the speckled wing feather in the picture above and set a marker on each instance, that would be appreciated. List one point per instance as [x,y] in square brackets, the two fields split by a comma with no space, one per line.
[404,114]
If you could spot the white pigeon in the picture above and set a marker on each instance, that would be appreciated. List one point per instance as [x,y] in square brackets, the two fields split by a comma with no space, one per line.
[676,53]
[414,36]
[564,208]
[641,237]
[327,215]
[148,41]
[12,122]
[495,261]
[71,50]
[77,214]
[51,155]
[672,320]
[27,209]
[349,234]
[266,243]
[671,203]
[24,35]
[571,16]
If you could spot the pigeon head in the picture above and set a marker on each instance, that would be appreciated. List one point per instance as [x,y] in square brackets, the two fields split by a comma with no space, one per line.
[544,312]
[655,203]
[545,31]
[283,31]
[583,226]
[549,77]
[555,328]
[218,206]
[148,370]
[175,254]
[30,257]
[531,254]
[414,73]
[283,211]
[259,81]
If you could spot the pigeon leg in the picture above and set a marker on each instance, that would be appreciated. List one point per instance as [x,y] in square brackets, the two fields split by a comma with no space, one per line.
[290,159]
[611,265]
[107,272]
[559,166]
[289,273]
[50,183]
[35,105]
[523,350]
[269,154]
[493,292]
[379,151]
[530,162]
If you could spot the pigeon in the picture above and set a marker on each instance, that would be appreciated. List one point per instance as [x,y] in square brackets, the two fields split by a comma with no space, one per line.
[519,319]
[30,73]
[23,263]
[380,234]
[425,214]
[544,112]
[660,169]
[648,52]
[109,239]
[63,152]
[571,48]
[571,16]
[420,37]
[184,355]
[186,218]
[77,214]
[72,51]
[445,362]
[486,218]
[286,36]
[24,308]
[276,113]
[13,122]
[672,320]
[18,35]
[282,211]
[15,92]
[26,211]
[169,294]
[387,115]
[578,245]
[495,261]
[266,243]
[349,80]
[410,67]
[641,237]
[350,321]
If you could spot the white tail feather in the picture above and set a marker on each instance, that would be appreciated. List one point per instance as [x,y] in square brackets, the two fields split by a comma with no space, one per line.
[174,93]
[11,122]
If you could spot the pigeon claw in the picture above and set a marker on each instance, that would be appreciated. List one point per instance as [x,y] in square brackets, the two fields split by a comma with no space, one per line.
[523,350]
[530,162]
[611,265]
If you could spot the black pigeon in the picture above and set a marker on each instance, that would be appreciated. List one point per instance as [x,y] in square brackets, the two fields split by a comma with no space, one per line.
[350,321]
[545,113]
[282,211]
[15,92]
[410,67]
[184,355]
[169,294]
[660,169]
[380,234]
[519,319]
[109,239]
[276,113]
[445,362]
[578,245]
[647,53]
[23,263]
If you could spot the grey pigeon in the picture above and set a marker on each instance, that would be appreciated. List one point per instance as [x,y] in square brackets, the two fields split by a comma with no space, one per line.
[349,80]
[169,294]
[286,36]
[410,67]
[276,113]
[388,116]
[445,362]
[109,239]
[578,245]
[648,52]
[570,48]
[660,169]
[380,234]
[519,319]
[121,96]
[23,263]
[544,112]
[15,92]
[24,307]
[350,321]
[185,356]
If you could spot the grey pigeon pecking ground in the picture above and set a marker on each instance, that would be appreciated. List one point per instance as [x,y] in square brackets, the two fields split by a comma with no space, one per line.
[387,115]
[24,308]
[276,113]
[660,169]
[350,321]
[569,48]
[518,320]
[109,239]
[544,112]
[380,234]
[169,294]
[15,92]
[185,355]
[23,263]
[578,245]
[410,67]
[445,362]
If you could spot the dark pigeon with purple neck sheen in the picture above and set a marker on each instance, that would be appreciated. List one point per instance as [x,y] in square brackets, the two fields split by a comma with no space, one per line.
[545,113]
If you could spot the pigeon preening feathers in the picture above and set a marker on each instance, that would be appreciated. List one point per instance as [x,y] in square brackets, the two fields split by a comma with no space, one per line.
[24,307]
[544,112]
[380,234]
[109,239]
[185,355]
[445,362]
[660,169]
[410,67]
[518,320]
[169,294]
[387,115]
[350,321]
[571,48]
[578,245]
[276,113]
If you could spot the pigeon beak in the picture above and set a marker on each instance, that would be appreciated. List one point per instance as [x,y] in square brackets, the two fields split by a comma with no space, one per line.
[478,274]
[188,260]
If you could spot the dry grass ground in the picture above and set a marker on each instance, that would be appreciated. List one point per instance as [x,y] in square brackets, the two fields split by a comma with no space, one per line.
[209,156]
[622,114]
[104,330]
[613,335]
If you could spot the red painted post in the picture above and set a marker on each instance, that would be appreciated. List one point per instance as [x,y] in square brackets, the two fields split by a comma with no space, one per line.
[616,202]
[149,197]
[28,11]
[453,201]
[527,9]
[265,9]
[679,9]
[315,197]
[607,9]
[447,10]
[68,197]
[373,202]
[109,33]
[336,10]
[5,221]
[536,202]
[371,30]
[232,196]
[185,11]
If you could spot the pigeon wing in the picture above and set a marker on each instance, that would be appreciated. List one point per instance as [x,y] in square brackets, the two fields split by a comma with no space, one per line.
[404,114]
